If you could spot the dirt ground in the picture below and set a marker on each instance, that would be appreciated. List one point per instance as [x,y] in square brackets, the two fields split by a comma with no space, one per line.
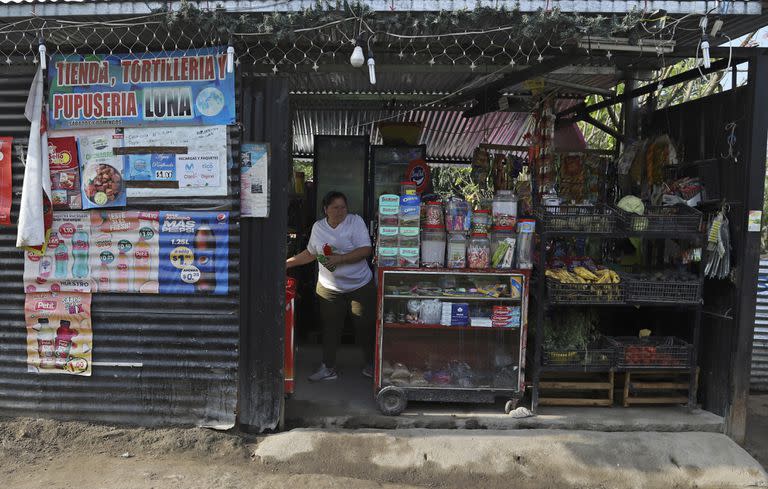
[53,454]
[757,428]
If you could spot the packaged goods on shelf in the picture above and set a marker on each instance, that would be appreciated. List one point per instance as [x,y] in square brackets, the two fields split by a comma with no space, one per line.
[388,236]
[503,241]
[455,314]
[410,211]
[408,257]
[481,221]
[458,216]
[387,257]
[433,248]
[479,251]
[504,208]
[457,251]
[433,215]
[408,237]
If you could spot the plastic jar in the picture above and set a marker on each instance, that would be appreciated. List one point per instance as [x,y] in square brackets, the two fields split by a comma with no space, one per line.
[456,256]
[458,216]
[506,239]
[433,214]
[433,248]
[481,221]
[505,208]
[479,251]
[407,188]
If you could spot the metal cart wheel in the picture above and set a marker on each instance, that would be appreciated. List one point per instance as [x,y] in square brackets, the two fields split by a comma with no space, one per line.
[511,405]
[391,400]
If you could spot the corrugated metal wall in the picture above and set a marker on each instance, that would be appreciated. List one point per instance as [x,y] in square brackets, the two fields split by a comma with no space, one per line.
[759,377]
[184,348]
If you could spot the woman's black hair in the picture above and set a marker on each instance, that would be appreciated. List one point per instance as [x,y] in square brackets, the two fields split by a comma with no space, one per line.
[331,196]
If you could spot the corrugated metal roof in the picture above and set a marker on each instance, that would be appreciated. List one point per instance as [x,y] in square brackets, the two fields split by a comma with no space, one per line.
[446,133]
[759,377]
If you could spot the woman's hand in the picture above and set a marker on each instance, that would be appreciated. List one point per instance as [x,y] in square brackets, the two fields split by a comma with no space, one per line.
[333,261]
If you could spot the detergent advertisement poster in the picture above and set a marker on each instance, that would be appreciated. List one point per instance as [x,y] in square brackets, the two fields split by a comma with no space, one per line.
[122,90]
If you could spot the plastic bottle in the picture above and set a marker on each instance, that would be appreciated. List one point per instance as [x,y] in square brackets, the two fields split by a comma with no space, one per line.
[205,258]
[123,272]
[104,278]
[45,343]
[503,244]
[63,343]
[433,247]
[142,264]
[45,267]
[80,247]
[61,256]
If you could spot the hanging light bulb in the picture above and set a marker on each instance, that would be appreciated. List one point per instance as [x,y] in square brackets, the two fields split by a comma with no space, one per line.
[705,51]
[372,71]
[230,58]
[41,49]
[357,59]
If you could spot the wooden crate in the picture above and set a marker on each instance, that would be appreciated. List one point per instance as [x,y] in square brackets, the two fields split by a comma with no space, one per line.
[642,387]
[576,388]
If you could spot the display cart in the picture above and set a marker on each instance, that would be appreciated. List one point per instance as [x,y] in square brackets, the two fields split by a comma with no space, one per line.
[427,351]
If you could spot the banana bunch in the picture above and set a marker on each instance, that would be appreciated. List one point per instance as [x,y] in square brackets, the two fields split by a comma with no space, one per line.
[581,275]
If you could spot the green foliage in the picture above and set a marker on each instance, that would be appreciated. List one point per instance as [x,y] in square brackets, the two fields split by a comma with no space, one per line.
[457,181]
[305,167]
[574,329]
[554,25]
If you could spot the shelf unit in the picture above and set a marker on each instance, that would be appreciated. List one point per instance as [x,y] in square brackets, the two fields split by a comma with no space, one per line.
[449,363]
[543,304]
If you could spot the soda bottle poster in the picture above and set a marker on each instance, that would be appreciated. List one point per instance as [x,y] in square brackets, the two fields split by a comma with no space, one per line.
[65,265]
[125,252]
[59,333]
[194,252]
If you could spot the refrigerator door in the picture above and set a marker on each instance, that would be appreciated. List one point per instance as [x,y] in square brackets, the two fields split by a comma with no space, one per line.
[341,164]
[388,166]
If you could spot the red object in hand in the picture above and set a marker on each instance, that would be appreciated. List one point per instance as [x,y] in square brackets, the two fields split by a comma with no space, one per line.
[327,250]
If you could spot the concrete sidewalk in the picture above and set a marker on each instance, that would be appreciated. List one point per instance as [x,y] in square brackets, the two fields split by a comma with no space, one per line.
[527,459]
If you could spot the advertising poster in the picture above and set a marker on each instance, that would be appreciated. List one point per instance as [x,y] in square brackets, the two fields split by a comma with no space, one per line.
[176,161]
[254,188]
[59,333]
[194,252]
[64,266]
[65,173]
[101,171]
[125,252]
[6,182]
[120,90]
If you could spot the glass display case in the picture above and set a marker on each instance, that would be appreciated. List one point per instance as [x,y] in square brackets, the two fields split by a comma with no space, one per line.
[450,336]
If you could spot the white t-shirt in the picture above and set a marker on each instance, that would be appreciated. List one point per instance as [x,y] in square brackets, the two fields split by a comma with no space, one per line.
[350,235]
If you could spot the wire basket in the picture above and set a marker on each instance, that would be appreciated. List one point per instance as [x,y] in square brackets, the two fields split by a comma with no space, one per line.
[676,218]
[653,352]
[598,356]
[598,218]
[676,292]
[560,293]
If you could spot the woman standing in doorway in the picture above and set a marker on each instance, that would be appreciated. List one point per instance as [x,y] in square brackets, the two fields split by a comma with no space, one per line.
[340,242]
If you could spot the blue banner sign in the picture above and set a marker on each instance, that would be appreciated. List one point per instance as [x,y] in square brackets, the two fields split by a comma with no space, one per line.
[153,89]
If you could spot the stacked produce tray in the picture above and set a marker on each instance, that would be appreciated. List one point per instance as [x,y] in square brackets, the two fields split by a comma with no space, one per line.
[560,293]
[596,357]
[598,218]
[675,219]
[655,288]
[664,352]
